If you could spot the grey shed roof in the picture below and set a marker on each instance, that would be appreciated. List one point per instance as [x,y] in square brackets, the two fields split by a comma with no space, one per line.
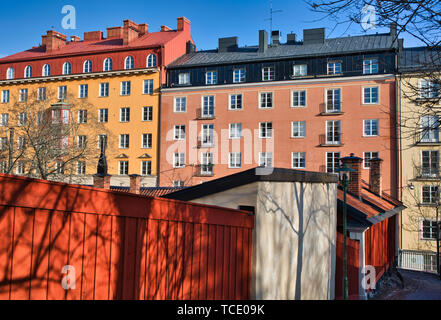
[419,58]
[336,46]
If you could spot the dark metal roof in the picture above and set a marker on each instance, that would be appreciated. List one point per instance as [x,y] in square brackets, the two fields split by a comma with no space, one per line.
[419,58]
[336,46]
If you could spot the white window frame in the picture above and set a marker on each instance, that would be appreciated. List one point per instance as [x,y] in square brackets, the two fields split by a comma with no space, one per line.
[431,194]
[81,167]
[432,231]
[62,94]
[368,98]
[179,160]
[207,135]
[103,115]
[332,67]
[300,70]
[234,106]
[334,161]
[431,174]
[108,65]
[235,160]
[152,61]
[10,73]
[268,73]
[23,95]
[146,166]
[369,66]
[207,163]
[298,100]
[334,100]
[299,156]
[301,124]
[331,126]
[104,89]
[4,119]
[211,77]
[433,131]
[372,155]
[5,96]
[124,115]
[271,94]
[208,104]
[179,132]
[28,72]
[149,111]
[269,133]
[239,75]
[182,104]
[369,124]
[124,141]
[83,91]
[263,158]
[67,68]
[82,116]
[428,89]
[126,88]
[41,94]
[46,71]
[149,85]
[123,167]
[147,137]
[235,133]
[184,78]
[129,63]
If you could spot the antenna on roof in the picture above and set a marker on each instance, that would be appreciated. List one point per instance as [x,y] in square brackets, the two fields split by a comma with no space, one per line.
[271,15]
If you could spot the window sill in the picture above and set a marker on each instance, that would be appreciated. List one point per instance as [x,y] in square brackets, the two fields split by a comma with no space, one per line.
[332,145]
[206,118]
[332,113]
[298,107]
[296,138]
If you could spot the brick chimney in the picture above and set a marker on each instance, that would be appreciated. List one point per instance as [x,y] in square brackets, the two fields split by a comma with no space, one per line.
[130,32]
[53,40]
[101,181]
[184,24]
[143,29]
[135,184]
[354,163]
[115,33]
[93,36]
[375,179]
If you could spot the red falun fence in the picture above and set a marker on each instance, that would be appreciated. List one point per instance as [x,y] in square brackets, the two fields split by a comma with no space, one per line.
[122,246]
[352,268]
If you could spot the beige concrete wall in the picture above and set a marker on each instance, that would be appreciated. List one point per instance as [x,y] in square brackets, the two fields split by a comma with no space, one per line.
[294,238]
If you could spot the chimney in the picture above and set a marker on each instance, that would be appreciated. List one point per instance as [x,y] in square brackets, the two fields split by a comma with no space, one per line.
[314,36]
[228,44]
[165,28]
[143,29]
[275,37]
[291,38]
[53,41]
[263,41]
[130,32]
[101,181]
[75,39]
[115,33]
[135,184]
[93,36]
[354,163]
[375,180]
[184,24]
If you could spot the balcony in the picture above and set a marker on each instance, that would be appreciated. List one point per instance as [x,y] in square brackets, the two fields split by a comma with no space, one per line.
[329,110]
[331,141]
[427,173]
[205,142]
[201,116]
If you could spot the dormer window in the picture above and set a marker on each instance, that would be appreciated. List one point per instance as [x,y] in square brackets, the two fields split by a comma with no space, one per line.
[129,63]
[239,75]
[108,64]
[334,68]
[370,66]
[46,70]
[268,74]
[184,78]
[87,66]
[67,68]
[28,72]
[211,77]
[300,70]
[10,74]
[151,61]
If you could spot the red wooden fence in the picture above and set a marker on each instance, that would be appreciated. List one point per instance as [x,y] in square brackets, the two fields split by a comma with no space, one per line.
[352,267]
[122,246]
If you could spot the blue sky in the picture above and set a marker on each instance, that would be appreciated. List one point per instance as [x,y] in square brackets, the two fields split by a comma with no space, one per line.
[25,21]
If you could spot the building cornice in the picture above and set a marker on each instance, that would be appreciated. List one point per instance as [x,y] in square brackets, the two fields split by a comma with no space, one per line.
[281,83]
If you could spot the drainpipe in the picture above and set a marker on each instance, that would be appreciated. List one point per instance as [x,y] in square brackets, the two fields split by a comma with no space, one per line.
[400,160]
[158,155]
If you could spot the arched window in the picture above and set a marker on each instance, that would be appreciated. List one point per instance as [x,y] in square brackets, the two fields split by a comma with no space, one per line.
[87,66]
[151,61]
[67,68]
[10,74]
[28,72]
[46,70]
[129,63]
[108,64]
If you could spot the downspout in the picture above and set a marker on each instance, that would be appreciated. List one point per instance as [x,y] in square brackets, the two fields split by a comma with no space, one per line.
[158,156]
[401,159]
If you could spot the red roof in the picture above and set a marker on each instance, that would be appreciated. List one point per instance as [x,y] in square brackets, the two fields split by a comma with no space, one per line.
[152,40]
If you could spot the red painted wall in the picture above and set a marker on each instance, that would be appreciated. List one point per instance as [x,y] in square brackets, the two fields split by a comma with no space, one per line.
[352,267]
[122,246]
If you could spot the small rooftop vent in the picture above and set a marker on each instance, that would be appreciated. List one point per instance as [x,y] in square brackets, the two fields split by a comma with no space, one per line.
[276,37]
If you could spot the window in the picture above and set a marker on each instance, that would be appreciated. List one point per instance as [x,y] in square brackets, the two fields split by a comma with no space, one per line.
[3,167]
[370,128]
[148,87]
[4,120]
[103,115]
[179,160]
[5,96]
[333,132]
[82,142]
[235,130]
[430,129]
[430,164]
[46,70]
[184,78]
[28,72]
[334,68]
[367,156]
[151,61]
[82,116]
[207,135]
[299,99]
[370,66]
[108,64]
[4,143]
[235,102]
[21,143]
[23,95]
[123,168]
[59,167]
[268,74]
[208,106]
[20,167]
[102,142]
[146,168]
[41,94]
[266,159]
[428,89]
[84,90]
[147,114]
[179,132]
[266,100]
[124,142]
[207,163]
[266,130]
[67,68]
[22,118]
[298,129]
[40,117]
[370,95]
[81,168]
[125,88]
[238,75]
[10,74]
[180,104]
[211,77]
[333,100]
[298,160]
[430,194]
[178,184]
[300,70]
[104,89]
[428,230]
[235,160]
[147,141]
[332,161]
[62,92]
[124,115]
[61,116]
[87,67]
[129,63]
